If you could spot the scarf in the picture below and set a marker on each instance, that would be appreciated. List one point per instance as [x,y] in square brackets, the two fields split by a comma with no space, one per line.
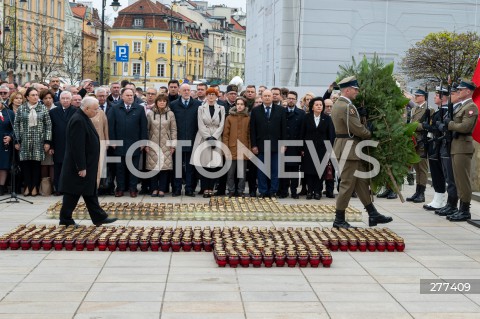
[32,117]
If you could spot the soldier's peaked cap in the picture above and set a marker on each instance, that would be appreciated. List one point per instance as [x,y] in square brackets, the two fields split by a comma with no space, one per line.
[443,89]
[420,92]
[350,81]
[466,84]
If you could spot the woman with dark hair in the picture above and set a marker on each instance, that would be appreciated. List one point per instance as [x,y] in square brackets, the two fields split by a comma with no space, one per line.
[317,129]
[47,96]
[162,130]
[237,129]
[7,118]
[211,120]
[33,130]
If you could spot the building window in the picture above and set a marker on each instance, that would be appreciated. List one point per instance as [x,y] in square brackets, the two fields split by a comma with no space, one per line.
[52,8]
[58,43]
[114,46]
[137,46]
[138,22]
[115,68]
[29,5]
[147,68]
[135,68]
[37,6]
[125,67]
[161,47]
[161,70]
[59,12]
[29,36]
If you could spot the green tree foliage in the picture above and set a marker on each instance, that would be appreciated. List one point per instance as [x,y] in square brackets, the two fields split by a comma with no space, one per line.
[442,54]
[385,105]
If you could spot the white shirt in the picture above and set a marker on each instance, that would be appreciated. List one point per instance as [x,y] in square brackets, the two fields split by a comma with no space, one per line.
[317,120]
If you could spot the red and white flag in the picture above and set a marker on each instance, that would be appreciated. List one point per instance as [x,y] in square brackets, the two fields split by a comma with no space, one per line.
[476,99]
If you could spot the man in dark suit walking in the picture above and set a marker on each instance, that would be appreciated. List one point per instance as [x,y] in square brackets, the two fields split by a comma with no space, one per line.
[268,123]
[59,117]
[55,87]
[127,122]
[79,174]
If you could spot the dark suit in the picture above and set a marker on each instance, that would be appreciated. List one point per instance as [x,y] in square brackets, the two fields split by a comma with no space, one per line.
[187,127]
[56,96]
[82,153]
[59,119]
[130,127]
[112,100]
[294,122]
[272,129]
[318,135]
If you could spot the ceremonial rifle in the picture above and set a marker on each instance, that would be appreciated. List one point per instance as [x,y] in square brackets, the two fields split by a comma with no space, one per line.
[426,117]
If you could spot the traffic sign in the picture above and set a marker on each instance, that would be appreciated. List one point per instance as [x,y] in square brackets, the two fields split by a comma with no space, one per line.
[121,53]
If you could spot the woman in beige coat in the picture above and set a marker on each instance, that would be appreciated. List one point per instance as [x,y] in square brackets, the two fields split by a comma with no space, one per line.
[237,130]
[211,119]
[100,123]
[162,130]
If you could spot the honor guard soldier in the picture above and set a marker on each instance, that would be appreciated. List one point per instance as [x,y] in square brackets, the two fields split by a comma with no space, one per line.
[462,126]
[452,201]
[419,114]
[348,127]
[435,142]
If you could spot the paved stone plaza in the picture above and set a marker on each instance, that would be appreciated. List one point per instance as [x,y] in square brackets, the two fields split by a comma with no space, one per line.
[102,284]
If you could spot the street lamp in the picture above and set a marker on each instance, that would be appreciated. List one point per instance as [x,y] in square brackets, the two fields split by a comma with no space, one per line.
[115,5]
[7,29]
[189,51]
[148,39]
[226,38]
[175,35]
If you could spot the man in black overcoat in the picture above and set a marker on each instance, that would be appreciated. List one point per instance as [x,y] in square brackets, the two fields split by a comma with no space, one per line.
[59,117]
[295,118]
[79,172]
[127,122]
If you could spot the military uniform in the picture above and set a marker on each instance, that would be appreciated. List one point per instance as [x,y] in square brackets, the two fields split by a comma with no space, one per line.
[462,150]
[419,114]
[348,127]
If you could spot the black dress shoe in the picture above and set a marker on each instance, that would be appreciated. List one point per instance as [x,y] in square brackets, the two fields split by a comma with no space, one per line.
[252,194]
[218,193]
[309,196]
[295,196]
[283,195]
[190,194]
[201,191]
[317,196]
[384,194]
[303,192]
[176,194]
[144,191]
[107,220]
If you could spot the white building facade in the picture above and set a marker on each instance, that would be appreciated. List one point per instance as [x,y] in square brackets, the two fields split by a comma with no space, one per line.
[303,42]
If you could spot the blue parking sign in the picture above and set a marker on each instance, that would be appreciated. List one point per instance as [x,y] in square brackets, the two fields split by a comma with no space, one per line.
[121,53]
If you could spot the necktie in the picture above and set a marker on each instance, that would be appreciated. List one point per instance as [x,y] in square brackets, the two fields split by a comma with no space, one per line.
[185,103]
[127,107]
[268,112]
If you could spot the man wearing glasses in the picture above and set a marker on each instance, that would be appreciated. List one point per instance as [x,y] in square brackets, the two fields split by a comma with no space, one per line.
[151,96]
[4,94]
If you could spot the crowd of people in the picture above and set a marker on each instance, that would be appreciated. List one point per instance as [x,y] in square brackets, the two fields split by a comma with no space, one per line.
[192,135]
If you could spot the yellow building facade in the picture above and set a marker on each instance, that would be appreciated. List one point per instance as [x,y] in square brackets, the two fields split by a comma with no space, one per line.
[145,29]
[39,39]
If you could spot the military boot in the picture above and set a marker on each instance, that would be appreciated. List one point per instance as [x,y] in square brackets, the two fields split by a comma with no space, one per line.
[421,195]
[340,221]
[410,179]
[450,208]
[410,199]
[463,213]
[384,194]
[374,217]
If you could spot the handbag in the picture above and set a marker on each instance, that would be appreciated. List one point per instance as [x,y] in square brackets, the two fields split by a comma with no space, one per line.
[46,187]
[329,172]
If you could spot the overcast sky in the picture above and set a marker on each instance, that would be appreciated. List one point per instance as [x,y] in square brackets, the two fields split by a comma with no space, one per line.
[110,14]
